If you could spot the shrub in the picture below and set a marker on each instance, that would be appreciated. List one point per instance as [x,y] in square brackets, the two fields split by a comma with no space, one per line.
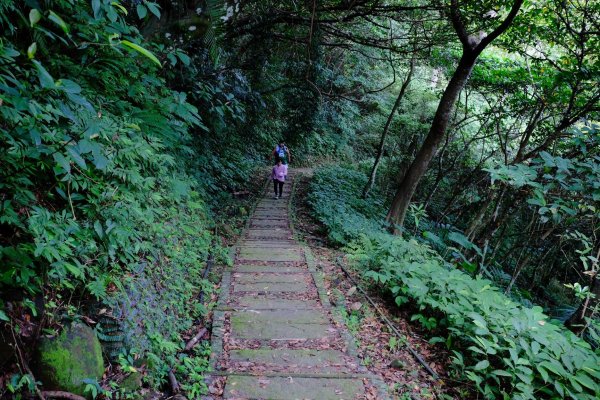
[334,197]
[508,350]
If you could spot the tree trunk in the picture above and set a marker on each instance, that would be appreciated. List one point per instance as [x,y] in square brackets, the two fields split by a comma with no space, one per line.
[417,169]
[386,128]
[576,322]
[472,47]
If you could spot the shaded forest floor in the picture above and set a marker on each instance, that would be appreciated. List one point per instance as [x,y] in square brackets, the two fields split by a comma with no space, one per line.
[381,351]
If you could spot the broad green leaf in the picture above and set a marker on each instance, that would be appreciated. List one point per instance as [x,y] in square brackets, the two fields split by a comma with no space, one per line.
[31,50]
[120,8]
[483,364]
[46,81]
[543,373]
[76,156]
[73,270]
[142,51]
[68,86]
[52,16]
[34,17]
[586,381]
[3,316]
[62,162]
[98,229]
[100,161]
[142,11]
[154,9]
[96,4]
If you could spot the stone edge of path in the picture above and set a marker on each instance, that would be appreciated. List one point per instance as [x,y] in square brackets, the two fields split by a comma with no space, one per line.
[218,322]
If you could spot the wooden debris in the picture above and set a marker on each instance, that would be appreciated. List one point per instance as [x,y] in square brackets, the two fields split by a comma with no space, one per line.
[57,394]
[193,341]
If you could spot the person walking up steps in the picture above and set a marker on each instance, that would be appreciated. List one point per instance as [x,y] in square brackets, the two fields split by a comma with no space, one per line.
[282,152]
[279,174]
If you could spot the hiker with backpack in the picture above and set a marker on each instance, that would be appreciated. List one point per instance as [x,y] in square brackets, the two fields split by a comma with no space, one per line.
[281,151]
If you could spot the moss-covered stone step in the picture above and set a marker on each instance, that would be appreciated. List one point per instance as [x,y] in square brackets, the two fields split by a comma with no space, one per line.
[288,388]
[280,324]
[266,303]
[252,250]
[280,213]
[244,268]
[305,360]
[270,278]
[261,254]
[271,233]
[271,244]
[277,287]
[268,223]
[272,204]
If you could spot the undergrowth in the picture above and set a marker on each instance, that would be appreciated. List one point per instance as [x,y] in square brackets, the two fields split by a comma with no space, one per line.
[506,349]
[103,215]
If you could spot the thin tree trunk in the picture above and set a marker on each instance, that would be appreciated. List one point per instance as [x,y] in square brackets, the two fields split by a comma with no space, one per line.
[472,48]
[417,169]
[577,322]
[386,128]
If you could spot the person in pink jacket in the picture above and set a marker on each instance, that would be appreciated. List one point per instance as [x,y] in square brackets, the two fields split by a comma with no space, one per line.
[279,174]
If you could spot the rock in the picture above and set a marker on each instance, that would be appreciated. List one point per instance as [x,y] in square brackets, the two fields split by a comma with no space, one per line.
[356,306]
[132,383]
[398,364]
[63,362]
[351,291]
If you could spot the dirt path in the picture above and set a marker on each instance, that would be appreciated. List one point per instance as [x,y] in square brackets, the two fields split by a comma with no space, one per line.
[274,335]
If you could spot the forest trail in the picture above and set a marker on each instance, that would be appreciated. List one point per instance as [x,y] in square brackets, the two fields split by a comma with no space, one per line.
[274,335]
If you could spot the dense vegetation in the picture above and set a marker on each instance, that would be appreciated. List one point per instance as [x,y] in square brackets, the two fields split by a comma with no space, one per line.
[469,129]
[507,349]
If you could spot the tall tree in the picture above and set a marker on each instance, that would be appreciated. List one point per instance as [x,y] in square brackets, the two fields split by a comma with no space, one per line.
[472,46]
[386,129]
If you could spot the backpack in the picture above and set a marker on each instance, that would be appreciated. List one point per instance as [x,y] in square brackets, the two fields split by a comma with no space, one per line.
[281,152]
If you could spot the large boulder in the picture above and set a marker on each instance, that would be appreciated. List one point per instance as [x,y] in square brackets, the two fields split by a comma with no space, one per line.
[65,361]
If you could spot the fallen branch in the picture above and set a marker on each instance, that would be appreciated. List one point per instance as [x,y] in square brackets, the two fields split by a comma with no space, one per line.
[173,382]
[57,394]
[193,341]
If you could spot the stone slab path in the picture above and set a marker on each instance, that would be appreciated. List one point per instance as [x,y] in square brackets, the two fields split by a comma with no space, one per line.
[274,333]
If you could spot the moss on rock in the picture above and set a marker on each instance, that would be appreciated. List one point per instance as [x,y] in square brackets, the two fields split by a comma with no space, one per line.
[65,361]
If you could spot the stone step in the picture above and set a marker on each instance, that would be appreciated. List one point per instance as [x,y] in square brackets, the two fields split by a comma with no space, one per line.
[259,254]
[266,287]
[288,388]
[281,324]
[280,244]
[260,277]
[297,360]
[271,234]
[268,223]
[268,303]
[249,268]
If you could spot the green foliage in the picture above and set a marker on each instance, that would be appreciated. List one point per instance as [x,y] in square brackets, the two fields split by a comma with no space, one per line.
[100,200]
[507,350]
[334,198]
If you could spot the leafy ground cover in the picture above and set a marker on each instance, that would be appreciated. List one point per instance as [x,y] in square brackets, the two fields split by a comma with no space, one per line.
[506,349]
[105,216]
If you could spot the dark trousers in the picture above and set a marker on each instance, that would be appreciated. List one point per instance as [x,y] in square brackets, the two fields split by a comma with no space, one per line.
[278,184]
